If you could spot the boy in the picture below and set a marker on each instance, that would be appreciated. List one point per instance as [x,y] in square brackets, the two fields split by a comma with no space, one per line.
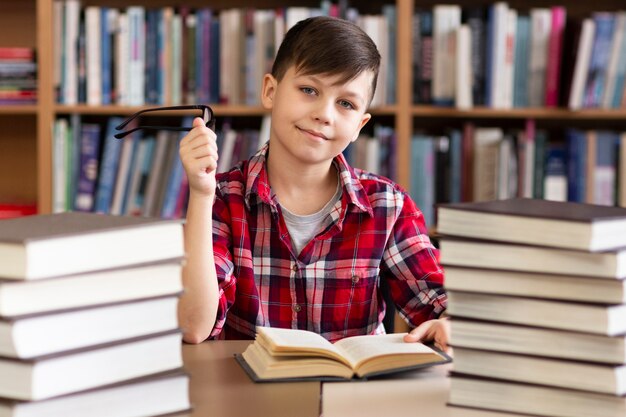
[300,239]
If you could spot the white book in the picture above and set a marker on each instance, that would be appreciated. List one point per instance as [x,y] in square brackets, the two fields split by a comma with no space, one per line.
[372,26]
[295,14]
[166,51]
[506,97]
[93,55]
[226,153]
[582,64]
[171,388]
[121,60]
[70,76]
[57,375]
[82,328]
[498,54]
[372,154]
[486,150]
[463,93]
[136,50]
[540,26]
[614,57]
[446,20]
[157,173]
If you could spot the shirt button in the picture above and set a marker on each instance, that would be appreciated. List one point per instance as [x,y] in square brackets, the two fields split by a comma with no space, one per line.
[297,308]
[295,267]
[355,279]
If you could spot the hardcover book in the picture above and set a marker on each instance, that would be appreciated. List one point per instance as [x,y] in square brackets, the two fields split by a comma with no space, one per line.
[538,222]
[42,246]
[116,400]
[290,354]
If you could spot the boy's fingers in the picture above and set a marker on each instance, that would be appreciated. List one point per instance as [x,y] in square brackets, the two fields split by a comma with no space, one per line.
[418,333]
[198,121]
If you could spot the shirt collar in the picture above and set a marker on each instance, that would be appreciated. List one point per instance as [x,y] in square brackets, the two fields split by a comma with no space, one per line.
[257,184]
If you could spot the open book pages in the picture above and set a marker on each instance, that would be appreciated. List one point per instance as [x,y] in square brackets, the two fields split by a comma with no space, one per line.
[289,353]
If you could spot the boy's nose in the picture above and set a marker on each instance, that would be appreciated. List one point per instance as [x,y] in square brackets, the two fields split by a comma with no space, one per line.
[323,112]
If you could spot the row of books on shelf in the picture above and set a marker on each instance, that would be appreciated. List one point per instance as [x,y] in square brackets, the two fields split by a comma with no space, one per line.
[142,174]
[497,57]
[538,300]
[88,316]
[488,163]
[18,75]
[148,55]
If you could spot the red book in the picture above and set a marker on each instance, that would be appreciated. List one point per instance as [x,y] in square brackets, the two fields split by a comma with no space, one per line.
[555,50]
[10,210]
[17,53]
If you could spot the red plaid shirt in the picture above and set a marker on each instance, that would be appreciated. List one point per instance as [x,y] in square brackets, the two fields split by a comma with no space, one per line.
[332,287]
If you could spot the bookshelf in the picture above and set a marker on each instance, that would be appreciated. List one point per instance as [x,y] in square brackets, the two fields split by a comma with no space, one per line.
[26,131]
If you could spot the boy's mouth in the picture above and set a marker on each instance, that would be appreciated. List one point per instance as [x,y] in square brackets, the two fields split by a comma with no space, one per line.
[313,133]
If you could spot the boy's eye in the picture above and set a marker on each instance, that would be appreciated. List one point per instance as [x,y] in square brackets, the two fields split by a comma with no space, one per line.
[346,104]
[307,90]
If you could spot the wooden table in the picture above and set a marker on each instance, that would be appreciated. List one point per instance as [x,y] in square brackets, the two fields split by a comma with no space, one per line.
[219,387]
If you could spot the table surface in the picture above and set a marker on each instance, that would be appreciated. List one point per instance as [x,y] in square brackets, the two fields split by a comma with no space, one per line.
[220,387]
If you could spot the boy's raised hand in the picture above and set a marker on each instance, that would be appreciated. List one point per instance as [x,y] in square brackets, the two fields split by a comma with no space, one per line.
[198,154]
[437,330]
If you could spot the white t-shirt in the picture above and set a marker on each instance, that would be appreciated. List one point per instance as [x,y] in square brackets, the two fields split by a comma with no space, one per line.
[304,228]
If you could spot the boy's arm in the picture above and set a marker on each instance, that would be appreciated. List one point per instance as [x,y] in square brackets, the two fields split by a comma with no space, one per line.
[197,307]
[411,266]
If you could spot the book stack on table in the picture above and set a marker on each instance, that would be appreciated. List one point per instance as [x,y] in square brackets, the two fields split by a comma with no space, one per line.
[538,304]
[88,320]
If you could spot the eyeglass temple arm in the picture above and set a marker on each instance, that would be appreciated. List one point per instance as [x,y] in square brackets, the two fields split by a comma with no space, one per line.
[171,128]
[189,107]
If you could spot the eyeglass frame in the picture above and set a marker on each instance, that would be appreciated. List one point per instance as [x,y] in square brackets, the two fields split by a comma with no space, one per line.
[207,116]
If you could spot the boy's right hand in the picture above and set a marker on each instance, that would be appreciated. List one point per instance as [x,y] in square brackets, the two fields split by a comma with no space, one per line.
[198,154]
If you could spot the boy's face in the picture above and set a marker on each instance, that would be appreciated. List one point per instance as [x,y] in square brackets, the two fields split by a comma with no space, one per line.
[314,117]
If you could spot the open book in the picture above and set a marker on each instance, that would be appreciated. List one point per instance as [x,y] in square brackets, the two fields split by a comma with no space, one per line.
[288,354]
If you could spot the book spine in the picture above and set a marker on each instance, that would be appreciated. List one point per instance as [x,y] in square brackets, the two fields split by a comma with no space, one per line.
[555,48]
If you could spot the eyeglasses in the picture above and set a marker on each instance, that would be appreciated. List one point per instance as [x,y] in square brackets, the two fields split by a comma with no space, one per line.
[206,114]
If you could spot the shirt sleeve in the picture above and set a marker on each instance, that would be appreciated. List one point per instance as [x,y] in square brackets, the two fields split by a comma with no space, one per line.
[224,266]
[411,267]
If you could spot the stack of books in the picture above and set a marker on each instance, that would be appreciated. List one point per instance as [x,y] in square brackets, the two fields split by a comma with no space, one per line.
[538,304]
[88,320]
[18,76]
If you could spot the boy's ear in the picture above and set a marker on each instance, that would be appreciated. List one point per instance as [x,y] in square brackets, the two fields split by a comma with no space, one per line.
[364,120]
[267,91]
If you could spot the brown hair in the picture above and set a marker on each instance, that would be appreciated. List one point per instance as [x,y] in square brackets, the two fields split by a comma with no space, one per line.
[327,45]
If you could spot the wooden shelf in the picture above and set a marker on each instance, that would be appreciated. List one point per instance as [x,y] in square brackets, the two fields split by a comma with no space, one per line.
[525,113]
[18,109]
[219,109]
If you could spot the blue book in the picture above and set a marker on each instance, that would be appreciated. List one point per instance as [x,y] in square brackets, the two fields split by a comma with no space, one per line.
[146,164]
[490,43]
[456,165]
[575,142]
[423,176]
[108,167]
[520,80]
[605,172]
[620,76]
[600,54]
[174,179]
[476,18]
[89,149]
[214,59]
[152,57]
[105,54]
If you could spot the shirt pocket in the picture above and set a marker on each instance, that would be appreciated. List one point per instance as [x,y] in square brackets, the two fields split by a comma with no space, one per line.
[348,300]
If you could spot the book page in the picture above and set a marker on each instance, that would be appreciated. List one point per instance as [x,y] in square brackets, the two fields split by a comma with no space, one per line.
[296,343]
[359,349]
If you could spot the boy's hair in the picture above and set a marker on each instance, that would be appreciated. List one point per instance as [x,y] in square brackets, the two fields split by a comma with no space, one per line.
[327,45]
